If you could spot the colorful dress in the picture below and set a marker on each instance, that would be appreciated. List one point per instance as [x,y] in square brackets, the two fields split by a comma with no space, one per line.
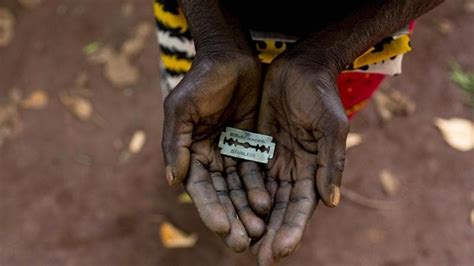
[356,83]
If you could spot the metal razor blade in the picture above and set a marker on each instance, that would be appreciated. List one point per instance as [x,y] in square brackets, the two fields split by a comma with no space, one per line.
[246,145]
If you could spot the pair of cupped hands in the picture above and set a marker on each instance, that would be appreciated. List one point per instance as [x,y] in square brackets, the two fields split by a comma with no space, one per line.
[294,100]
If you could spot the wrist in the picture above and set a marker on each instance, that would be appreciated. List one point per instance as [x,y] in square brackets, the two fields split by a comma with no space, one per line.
[222,46]
[318,57]
[214,29]
[311,62]
[228,63]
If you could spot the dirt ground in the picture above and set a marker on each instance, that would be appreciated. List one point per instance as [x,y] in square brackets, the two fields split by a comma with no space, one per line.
[69,195]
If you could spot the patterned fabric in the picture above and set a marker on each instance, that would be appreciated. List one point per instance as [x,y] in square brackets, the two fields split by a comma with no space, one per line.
[356,84]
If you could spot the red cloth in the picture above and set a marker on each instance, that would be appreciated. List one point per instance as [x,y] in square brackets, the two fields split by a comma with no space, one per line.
[355,88]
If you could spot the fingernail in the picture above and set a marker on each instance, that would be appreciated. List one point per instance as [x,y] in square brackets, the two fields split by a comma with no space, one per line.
[169,175]
[334,195]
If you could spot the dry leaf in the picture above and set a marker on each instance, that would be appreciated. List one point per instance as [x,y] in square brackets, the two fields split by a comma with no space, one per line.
[102,55]
[37,100]
[445,26]
[9,122]
[118,67]
[137,42]
[81,80]
[83,159]
[389,183]
[469,6]
[81,86]
[7,23]
[353,139]
[15,96]
[374,236]
[79,106]
[120,71]
[8,112]
[184,198]
[172,237]
[137,142]
[390,103]
[30,3]
[127,9]
[471,218]
[457,132]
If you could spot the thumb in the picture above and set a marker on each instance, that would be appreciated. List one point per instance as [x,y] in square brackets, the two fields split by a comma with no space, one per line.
[331,156]
[177,139]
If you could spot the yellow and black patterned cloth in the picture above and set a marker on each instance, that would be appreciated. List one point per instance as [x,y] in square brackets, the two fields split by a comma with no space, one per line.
[177,47]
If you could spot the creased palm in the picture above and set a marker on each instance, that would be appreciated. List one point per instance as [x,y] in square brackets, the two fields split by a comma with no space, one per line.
[217,92]
[301,109]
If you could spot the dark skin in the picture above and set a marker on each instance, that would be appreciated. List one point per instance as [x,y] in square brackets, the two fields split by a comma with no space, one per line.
[296,101]
[221,89]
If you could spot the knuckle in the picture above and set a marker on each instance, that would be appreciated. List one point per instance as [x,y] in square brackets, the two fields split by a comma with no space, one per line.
[177,101]
[231,171]
[170,104]
[243,209]
[198,183]
[340,164]
[222,193]
[207,62]
[340,118]
[343,125]
[291,224]
[250,63]
[301,199]
[166,144]
[337,125]
[280,205]
[236,194]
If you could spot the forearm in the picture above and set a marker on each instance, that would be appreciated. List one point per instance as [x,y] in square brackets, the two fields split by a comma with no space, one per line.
[342,42]
[213,28]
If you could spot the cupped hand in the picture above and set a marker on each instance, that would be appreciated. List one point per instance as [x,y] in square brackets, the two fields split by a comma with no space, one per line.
[301,109]
[220,90]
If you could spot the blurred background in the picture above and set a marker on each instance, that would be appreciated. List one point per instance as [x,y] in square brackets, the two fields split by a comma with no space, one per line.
[81,173]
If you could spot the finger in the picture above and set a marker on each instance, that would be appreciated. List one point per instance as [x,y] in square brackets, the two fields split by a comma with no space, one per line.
[199,187]
[177,134]
[300,209]
[253,224]
[331,155]
[265,253]
[257,194]
[237,239]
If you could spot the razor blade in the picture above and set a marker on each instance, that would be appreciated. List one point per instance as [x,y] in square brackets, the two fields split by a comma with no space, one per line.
[246,145]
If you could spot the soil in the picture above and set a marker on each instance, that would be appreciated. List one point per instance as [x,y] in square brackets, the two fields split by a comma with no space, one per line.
[68,196]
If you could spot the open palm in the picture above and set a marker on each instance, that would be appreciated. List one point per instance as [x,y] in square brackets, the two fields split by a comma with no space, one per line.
[301,109]
[218,91]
